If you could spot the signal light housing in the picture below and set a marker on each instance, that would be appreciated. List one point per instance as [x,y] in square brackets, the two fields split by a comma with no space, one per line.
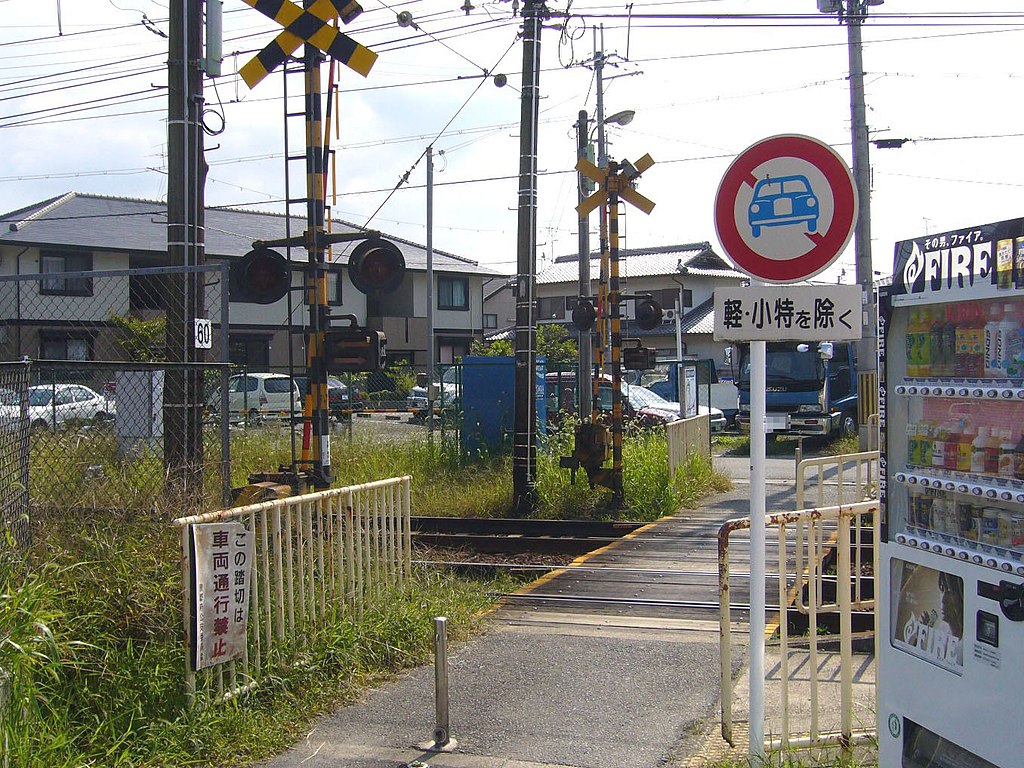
[649,314]
[354,350]
[583,315]
[376,266]
[262,276]
[638,358]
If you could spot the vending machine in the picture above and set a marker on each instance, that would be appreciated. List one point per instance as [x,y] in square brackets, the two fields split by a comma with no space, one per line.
[951,597]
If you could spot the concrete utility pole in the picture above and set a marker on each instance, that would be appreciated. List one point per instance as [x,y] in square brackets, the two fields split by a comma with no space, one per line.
[852,13]
[586,343]
[186,178]
[524,445]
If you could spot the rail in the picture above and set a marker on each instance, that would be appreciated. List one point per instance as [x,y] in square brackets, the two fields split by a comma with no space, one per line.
[316,557]
[839,516]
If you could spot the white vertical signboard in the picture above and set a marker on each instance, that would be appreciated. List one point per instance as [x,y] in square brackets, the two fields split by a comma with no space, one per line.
[222,555]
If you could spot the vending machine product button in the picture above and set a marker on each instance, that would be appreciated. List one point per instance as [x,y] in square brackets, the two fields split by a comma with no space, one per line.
[963,488]
[950,552]
[900,389]
[1005,495]
[1006,566]
[1020,394]
[1006,394]
[1020,570]
[977,490]
[977,392]
[1020,498]
[901,539]
[991,493]
[912,542]
[976,559]
[901,477]
[991,562]
[963,554]
[950,391]
[992,393]
[950,485]
[963,391]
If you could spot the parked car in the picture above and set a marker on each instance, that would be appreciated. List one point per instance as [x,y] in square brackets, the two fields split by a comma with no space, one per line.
[640,405]
[337,395]
[258,397]
[58,405]
[651,408]
[447,392]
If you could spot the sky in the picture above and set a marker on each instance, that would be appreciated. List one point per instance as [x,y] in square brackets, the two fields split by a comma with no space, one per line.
[83,108]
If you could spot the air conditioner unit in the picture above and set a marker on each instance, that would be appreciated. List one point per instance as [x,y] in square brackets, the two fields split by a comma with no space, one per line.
[670,315]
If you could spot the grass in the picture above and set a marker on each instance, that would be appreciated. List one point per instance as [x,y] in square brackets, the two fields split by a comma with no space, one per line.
[96,663]
[90,626]
[786,445]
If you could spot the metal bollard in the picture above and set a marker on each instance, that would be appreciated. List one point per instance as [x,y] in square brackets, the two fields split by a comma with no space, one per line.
[443,741]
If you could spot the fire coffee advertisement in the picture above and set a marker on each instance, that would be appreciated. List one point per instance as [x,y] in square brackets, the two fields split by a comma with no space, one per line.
[928,614]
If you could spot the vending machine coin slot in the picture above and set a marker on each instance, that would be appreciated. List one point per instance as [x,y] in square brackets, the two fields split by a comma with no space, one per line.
[1010,597]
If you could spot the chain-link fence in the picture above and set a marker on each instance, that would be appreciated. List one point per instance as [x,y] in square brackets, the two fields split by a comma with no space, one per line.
[14,454]
[119,404]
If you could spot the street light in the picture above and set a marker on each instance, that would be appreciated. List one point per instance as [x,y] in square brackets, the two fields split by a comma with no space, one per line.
[852,13]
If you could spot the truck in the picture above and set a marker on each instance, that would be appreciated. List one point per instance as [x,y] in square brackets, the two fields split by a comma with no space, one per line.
[811,389]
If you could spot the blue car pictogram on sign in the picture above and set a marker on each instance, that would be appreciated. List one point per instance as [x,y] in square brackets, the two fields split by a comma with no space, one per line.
[781,201]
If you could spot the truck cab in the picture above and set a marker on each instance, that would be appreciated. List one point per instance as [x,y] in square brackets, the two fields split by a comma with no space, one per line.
[811,388]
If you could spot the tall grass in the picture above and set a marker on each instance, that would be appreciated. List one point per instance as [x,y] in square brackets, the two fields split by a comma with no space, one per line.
[93,644]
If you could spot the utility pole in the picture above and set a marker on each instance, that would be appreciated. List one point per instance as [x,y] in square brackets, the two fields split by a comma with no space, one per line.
[186,177]
[867,354]
[853,13]
[586,373]
[431,352]
[524,446]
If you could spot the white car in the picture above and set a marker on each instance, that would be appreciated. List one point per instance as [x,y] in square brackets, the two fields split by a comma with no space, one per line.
[57,405]
[447,391]
[257,397]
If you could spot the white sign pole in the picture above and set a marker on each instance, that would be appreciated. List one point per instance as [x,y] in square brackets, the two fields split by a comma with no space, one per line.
[758,503]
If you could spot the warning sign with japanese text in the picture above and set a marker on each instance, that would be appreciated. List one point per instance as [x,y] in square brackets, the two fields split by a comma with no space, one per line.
[788,313]
[222,555]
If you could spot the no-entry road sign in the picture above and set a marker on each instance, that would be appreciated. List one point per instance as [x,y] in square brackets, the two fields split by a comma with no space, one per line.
[786,208]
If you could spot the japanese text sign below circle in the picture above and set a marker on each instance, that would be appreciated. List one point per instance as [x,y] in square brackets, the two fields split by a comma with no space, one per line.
[786,208]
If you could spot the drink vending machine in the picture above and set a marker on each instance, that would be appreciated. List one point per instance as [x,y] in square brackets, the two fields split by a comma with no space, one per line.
[951,608]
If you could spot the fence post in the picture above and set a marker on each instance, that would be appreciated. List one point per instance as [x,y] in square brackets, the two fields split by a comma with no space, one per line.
[443,742]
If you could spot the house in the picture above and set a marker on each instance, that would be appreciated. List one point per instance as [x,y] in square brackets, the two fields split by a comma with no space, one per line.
[87,234]
[677,276]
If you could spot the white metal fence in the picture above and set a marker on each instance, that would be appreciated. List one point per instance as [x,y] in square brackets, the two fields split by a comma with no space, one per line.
[318,558]
[805,652]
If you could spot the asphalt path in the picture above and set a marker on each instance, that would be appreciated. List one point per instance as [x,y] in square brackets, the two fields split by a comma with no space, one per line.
[574,681]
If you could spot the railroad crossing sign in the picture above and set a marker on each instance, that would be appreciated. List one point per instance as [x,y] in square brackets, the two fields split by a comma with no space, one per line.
[617,182]
[313,26]
[786,208]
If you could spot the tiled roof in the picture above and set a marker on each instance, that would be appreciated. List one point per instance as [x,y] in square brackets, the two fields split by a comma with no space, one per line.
[686,259]
[98,222]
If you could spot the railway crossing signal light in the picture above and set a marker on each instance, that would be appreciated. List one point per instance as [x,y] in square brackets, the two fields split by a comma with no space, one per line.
[638,358]
[584,315]
[262,276]
[376,266]
[649,314]
[354,350]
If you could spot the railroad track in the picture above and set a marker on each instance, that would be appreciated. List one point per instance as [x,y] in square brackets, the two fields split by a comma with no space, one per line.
[514,536]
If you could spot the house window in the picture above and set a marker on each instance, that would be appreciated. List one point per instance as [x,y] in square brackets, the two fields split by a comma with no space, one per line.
[552,308]
[490,321]
[55,263]
[57,346]
[334,283]
[453,293]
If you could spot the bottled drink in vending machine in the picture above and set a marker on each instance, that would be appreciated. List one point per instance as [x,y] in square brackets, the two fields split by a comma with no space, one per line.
[995,317]
[1004,264]
[912,343]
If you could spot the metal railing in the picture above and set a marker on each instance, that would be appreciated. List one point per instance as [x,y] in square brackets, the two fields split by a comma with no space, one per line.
[838,518]
[845,479]
[318,558]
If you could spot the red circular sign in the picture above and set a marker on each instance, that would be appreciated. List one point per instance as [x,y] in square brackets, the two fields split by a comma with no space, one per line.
[786,208]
